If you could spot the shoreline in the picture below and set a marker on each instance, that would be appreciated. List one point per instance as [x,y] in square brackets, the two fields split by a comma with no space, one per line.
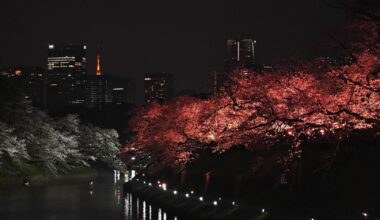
[40,180]
[191,207]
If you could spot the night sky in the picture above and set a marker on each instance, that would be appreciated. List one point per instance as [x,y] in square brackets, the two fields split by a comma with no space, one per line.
[185,38]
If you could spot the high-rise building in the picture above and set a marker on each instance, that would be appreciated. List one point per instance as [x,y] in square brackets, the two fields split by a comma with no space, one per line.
[158,87]
[67,60]
[123,90]
[240,53]
[98,91]
[28,81]
[232,51]
[66,65]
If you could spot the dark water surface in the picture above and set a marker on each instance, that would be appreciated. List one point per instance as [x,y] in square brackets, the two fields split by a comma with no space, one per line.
[78,199]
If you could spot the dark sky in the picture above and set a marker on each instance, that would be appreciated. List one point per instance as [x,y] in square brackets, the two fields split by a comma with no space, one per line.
[186,38]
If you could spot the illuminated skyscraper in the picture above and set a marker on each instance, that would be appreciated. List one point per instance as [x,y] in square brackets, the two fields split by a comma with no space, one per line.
[98,91]
[158,87]
[67,60]
[232,51]
[247,52]
[66,65]
[241,53]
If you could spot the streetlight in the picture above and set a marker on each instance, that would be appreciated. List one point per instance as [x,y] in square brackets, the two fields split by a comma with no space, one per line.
[164,186]
[201,198]
[365,215]
[215,203]
[187,195]
[175,192]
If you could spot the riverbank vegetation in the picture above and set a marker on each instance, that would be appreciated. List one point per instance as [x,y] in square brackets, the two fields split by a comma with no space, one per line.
[33,143]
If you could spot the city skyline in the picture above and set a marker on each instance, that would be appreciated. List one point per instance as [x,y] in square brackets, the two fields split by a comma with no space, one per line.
[188,40]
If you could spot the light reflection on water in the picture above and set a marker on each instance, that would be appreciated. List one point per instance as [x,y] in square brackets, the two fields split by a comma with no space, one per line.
[138,209]
[78,199]
[135,208]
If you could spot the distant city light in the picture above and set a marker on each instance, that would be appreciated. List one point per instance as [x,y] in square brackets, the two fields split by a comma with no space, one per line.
[201,198]
[118,89]
[215,203]
[187,195]
[175,192]
[164,186]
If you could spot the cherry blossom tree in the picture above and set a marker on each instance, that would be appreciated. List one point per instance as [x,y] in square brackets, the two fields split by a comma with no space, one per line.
[29,138]
[292,105]
[12,148]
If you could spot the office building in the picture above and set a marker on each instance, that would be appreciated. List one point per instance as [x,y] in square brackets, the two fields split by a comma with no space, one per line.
[240,53]
[123,90]
[97,91]
[67,60]
[158,87]
[66,65]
